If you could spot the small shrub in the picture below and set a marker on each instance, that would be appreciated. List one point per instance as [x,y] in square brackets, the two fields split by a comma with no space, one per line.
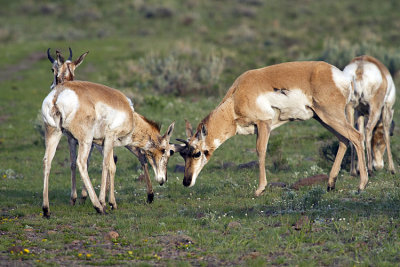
[182,73]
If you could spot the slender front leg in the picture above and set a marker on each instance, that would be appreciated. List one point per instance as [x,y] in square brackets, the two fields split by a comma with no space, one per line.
[149,186]
[263,132]
[52,138]
[374,115]
[83,154]
[111,177]
[107,158]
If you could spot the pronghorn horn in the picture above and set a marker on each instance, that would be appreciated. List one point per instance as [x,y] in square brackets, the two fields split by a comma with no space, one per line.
[70,54]
[49,56]
[183,141]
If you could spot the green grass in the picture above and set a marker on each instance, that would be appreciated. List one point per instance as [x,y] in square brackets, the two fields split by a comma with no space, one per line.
[218,221]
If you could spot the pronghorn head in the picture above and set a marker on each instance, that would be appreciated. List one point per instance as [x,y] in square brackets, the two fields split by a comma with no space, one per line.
[195,152]
[158,150]
[379,146]
[62,69]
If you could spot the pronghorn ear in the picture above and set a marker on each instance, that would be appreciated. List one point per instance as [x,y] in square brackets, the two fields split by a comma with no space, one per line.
[189,129]
[201,135]
[169,131]
[80,59]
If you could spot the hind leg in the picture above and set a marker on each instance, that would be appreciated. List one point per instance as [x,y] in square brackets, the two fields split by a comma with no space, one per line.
[336,122]
[52,138]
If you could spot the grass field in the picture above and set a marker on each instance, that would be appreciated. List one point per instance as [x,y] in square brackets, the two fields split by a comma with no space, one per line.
[176,59]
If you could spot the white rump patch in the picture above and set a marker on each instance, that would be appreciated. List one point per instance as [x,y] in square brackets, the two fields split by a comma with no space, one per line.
[47,106]
[68,104]
[342,81]
[291,105]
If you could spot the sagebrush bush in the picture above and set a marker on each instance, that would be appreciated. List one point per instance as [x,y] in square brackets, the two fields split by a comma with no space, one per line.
[182,73]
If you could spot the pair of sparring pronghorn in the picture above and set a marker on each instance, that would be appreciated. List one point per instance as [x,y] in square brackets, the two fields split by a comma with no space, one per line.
[259,101]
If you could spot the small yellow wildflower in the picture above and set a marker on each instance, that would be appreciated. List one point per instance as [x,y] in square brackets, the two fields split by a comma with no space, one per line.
[145,240]
[26,250]
[4,176]
[157,257]
[12,251]
[88,255]
[130,252]
[80,255]
[44,240]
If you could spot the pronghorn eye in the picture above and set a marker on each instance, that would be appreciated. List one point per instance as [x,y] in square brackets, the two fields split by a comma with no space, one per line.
[197,154]
[206,153]
[163,150]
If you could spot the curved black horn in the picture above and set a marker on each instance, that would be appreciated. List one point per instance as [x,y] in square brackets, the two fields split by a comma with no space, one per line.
[49,56]
[70,54]
[183,141]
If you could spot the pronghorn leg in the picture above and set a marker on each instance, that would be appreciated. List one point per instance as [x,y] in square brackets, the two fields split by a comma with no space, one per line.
[350,119]
[374,115]
[111,176]
[149,186]
[107,157]
[344,131]
[84,192]
[387,116]
[263,132]
[52,138]
[83,154]
[361,129]
[72,142]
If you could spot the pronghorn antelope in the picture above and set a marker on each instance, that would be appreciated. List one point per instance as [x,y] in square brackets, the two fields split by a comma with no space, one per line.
[261,100]
[64,71]
[373,97]
[94,113]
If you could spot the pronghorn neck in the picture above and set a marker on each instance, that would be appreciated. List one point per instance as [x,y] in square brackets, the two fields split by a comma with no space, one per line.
[220,125]
[145,131]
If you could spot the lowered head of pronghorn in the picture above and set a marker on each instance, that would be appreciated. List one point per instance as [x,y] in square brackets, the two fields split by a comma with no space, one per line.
[62,69]
[158,150]
[379,146]
[196,152]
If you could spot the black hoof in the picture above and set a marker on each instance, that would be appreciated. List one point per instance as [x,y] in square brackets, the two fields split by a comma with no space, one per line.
[150,198]
[46,213]
[370,173]
[72,201]
[100,211]
[113,206]
[329,189]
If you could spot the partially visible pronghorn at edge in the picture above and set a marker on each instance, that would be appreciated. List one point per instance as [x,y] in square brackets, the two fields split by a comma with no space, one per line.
[374,96]
[63,71]
[94,113]
[263,99]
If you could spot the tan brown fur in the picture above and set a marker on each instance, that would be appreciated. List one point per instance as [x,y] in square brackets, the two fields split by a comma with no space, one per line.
[78,106]
[261,100]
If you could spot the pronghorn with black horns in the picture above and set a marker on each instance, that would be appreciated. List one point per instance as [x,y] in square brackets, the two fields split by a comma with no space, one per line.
[64,71]
[374,96]
[94,113]
[261,100]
